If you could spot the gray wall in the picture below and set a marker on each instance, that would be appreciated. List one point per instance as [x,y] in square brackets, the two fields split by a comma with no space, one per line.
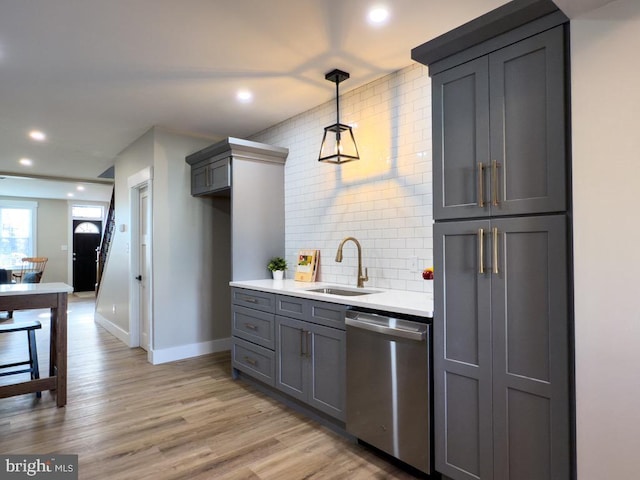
[182,249]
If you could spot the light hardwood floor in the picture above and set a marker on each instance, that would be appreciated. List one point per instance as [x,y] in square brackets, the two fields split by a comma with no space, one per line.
[127,419]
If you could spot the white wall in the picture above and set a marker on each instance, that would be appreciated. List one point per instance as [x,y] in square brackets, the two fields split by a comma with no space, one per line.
[606,181]
[384,199]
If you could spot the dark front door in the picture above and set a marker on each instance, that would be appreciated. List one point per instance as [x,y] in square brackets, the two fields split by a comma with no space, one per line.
[86,239]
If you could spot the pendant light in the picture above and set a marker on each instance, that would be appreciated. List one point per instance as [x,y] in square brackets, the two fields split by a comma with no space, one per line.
[338,144]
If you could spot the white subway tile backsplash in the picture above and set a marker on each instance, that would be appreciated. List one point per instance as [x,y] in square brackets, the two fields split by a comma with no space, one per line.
[384,199]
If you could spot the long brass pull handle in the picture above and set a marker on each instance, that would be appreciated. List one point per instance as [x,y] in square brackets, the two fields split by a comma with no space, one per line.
[481,250]
[251,300]
[250,326]
[494,182]
[250,361]
[303,344]
[480,184]
[494,232]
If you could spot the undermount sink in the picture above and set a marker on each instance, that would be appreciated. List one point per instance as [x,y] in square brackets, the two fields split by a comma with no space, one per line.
[342,291]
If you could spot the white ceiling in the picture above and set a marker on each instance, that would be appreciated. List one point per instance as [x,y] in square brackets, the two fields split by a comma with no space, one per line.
[96,74]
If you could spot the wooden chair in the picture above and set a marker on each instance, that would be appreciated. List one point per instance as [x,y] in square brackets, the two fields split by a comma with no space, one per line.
[5,277]
[30,327]
[31,271]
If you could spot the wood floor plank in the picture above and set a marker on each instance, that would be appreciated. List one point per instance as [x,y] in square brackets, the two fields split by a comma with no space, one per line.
[128,419]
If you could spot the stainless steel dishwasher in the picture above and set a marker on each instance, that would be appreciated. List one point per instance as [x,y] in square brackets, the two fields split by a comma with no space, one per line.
[388,385]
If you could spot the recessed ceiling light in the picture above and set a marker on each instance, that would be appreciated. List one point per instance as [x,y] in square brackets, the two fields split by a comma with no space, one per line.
[37,135]
[244,96]
[69,194]
[27,162]
[80,188]
[378,15]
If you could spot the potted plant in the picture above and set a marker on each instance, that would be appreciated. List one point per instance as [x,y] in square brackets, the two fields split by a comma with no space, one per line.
[277,266]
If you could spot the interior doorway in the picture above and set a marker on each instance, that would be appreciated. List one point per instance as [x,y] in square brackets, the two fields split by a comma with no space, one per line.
[86,240]
[141,328]
[144,261]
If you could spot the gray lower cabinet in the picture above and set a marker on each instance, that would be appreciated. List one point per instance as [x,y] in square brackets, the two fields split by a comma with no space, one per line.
[501,349]
[295,345]
[310,364]
[499,132]
[253,330]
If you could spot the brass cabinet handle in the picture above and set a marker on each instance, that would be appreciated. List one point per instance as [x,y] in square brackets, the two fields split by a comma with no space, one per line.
[250,326]
[303,344]
[494,182]
[251,300]
[250,361]
[481,250]
[480,185]
[494,232]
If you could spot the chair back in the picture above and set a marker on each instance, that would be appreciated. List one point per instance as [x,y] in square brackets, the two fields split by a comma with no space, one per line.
[5,276]
[32,269]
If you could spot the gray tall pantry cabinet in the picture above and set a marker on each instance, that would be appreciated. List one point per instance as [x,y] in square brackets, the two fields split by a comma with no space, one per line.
[502,349]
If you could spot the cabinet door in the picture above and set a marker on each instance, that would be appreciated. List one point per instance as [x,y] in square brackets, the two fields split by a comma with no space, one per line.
[220,174]
[530,350]
[200,180]
[211,177]
[460,112]
[327,381]
[462,350]
[528,126]
[292,348]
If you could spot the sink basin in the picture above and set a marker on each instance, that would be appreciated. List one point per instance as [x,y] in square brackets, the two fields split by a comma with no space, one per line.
[345,292]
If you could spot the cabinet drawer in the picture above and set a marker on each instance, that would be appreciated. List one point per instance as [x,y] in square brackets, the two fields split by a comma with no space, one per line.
[254,360]
[328,314]
[253,325]
[253,299]
[293,307]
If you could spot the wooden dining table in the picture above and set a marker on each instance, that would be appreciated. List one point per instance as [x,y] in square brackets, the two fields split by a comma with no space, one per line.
[28,296]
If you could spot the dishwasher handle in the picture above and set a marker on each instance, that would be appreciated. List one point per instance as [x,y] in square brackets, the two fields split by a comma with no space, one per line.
[411,334]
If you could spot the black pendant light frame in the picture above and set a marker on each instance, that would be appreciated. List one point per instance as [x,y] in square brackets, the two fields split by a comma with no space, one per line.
[338,129]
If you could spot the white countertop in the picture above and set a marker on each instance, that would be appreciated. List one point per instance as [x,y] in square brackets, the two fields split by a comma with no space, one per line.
[7,289]
[399,301]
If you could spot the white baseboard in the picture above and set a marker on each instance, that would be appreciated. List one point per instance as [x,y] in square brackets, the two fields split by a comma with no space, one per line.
[181,352]
[112,328]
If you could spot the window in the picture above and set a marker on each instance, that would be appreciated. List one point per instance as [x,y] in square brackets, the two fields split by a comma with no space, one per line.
[87,211]
[86,227]
[17,231]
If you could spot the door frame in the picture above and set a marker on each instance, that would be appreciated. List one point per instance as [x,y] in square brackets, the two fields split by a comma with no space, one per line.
[68,248]
[137,181]
[73,244]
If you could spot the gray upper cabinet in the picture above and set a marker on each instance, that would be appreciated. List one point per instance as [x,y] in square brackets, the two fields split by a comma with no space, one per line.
[210,177]
[499,131]
[501,349]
